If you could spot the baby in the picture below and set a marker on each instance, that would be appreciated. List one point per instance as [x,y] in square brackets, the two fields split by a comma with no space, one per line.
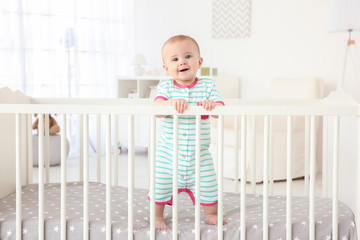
[182,60]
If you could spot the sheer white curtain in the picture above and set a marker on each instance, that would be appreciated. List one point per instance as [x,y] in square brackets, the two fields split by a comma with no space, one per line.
[67,48]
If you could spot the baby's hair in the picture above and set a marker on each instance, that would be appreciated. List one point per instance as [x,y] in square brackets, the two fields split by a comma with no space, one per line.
[180,38]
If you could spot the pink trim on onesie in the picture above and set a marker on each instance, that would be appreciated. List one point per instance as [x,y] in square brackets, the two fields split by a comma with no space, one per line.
[186,86]
[180,190]
[160,97]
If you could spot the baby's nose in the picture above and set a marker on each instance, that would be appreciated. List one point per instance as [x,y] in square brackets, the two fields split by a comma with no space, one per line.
[183,61]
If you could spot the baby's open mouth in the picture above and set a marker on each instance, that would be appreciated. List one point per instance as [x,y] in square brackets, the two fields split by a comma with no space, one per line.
[183,70]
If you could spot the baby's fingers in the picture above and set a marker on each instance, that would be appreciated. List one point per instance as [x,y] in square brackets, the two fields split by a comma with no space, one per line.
[180,106]
[209,105]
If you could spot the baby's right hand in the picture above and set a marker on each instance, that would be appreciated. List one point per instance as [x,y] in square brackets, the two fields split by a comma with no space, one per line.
[179,104]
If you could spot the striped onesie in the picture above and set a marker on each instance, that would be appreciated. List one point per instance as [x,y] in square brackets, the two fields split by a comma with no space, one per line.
[199,90]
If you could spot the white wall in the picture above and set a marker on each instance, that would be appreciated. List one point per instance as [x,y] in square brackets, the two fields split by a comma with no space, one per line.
[288,38]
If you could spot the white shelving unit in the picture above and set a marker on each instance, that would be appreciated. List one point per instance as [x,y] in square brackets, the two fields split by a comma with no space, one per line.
[141,83]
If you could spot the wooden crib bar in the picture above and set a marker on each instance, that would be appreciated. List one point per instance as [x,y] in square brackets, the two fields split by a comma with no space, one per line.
[108,177]
[175,179]
[18,178]
[266,178]
[312,179]
[335,179]
[288,178]
[152,175]
[243,177]
[220,172]
[63,177]
[131,159]
[85,175]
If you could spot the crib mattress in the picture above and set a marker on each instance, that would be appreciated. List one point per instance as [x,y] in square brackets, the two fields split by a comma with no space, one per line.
[186,217]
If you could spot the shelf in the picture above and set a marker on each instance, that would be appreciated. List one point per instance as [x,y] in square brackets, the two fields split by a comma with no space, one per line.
[141,83]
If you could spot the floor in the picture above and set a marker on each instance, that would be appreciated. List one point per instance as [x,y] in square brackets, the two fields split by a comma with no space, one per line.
[142,175]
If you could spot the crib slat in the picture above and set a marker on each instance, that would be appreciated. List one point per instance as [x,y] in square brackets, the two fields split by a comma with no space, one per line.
[197,177]
[253,154]
[152,176]
[220,176]
[357,220]
[335,200]
[116,150]
[81,145]
[307,155]
[108,177]
[325,160]
[41,177]
[29,149]
[266,179]
[98,148]
[243,179]
[85,139]
[47,149]
[236,153]
[312,178]
[63,176]
[271,167]
[131,151]
[289,179]
[175,178]
[18,177]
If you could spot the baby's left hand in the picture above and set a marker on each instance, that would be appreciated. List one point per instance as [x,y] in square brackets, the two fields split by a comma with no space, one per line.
[207,104]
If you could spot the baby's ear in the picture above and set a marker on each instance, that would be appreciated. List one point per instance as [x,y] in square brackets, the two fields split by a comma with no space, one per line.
[165,67]
[201,61]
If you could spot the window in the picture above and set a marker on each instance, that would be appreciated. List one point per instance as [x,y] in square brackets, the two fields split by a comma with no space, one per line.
[68,48]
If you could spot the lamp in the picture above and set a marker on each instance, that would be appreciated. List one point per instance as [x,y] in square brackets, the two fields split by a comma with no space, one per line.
[139,60]
[344,17]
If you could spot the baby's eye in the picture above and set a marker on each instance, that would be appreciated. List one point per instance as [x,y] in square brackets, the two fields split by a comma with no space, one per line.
[174,59]
[188,56]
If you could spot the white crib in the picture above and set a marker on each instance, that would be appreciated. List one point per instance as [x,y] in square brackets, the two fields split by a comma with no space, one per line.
[14,224]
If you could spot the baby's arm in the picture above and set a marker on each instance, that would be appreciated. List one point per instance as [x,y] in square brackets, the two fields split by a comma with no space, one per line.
[180,105]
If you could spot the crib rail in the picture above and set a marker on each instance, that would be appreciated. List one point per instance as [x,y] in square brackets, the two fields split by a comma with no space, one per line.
[239,108]
[273,107]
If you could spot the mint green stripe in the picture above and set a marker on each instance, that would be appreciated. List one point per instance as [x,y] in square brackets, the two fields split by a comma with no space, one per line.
[166,173]
[163,183]
[167,163]
[162,151]
[207,201]
[208,176]
[208,191]
[211,196]
[164,178]
[170,169]
[165,193]
[188,134]
[204,181]
[163,189]
[187,129]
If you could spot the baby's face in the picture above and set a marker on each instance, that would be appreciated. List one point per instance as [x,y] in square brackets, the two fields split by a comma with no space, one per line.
[182,60]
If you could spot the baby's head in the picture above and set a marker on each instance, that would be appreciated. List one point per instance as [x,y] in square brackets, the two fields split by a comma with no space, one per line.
[178,38]
[181,57]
